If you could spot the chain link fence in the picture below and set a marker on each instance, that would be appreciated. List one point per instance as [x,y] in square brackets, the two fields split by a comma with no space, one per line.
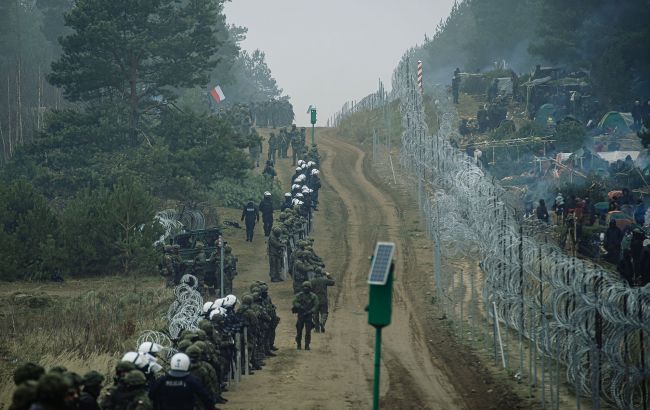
[571,332]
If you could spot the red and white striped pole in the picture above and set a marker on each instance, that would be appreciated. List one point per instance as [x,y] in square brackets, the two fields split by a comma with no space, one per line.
[420,75]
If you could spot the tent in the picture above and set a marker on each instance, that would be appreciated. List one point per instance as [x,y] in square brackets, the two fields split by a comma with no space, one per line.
[546,114]
[616,122]
[613,156]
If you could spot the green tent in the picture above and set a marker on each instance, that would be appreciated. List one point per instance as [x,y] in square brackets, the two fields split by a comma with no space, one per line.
[616,122]
[546,115]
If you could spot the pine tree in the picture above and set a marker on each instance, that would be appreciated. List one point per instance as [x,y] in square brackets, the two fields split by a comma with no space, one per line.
[136,51]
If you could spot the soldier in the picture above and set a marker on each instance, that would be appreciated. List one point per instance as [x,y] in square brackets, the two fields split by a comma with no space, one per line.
[167,266]
[92,382]
[249,320]
[202,371]
[294,140]
[255,147]
[305,305]
[177,264]
[273,146]
[229,269]
[136,397]
[264,321]
[198,269]
[266,208]
[51,392]
[25,378]
[302,269]
[251,214]
[283,143]
[271,310]
[319,286]
[275,251]
[269,171]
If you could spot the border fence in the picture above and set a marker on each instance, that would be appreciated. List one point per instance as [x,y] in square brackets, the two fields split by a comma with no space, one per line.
[570,331]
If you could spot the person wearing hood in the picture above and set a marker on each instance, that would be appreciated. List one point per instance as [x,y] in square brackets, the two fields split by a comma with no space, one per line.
[612,244]
[251,215]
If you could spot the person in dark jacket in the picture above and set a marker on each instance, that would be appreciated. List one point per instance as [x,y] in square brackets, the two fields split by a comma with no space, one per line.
[251,215]
[178,389]
[643,275]
[541,211]
[266,208]
[287,202]
[613,239]
[92,382]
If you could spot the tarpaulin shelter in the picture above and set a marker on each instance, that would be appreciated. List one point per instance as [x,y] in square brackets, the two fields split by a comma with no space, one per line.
[617,122]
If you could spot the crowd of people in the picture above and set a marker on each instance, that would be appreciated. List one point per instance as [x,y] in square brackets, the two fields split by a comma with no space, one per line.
[193,371]
[625,243]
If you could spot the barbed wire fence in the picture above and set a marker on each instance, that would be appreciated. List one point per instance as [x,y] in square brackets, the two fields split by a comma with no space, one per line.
[571,332]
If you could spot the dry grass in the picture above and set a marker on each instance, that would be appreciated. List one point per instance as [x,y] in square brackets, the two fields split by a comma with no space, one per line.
[82,324]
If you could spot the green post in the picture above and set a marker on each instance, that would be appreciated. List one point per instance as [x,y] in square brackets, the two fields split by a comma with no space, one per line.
[312,111]
[375,386]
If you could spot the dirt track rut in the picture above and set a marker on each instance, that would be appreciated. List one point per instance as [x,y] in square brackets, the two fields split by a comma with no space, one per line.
[337,373]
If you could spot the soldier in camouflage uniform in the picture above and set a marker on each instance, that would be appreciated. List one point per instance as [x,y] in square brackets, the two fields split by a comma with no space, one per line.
[255,147]
[213,275]
[295,144]
[263,325]
[302,270]
[271,311]
[118,395]
[319,286]
[225,342]
[275,252]
[229,269]
[166,267]
[136,397]
[202,371]
[273,146]
[305,304]
[92,382]
[283,143]
[250,321]
[177,264]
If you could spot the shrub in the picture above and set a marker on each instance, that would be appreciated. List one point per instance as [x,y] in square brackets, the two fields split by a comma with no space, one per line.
[233,193]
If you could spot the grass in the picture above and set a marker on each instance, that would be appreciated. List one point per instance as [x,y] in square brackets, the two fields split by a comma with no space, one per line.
[80,324]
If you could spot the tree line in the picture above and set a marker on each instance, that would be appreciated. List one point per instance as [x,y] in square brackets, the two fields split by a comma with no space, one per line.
[106,118]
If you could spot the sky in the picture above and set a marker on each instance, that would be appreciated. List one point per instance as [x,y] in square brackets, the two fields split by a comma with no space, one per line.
[327,52]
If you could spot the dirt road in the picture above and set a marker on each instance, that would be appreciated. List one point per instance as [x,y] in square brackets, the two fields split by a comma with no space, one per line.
[338,372]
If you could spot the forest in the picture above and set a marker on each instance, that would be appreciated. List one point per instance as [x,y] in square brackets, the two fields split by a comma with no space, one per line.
[106,117]
[602,37]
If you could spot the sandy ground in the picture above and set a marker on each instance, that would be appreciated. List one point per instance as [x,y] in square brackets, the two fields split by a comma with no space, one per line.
[422,366]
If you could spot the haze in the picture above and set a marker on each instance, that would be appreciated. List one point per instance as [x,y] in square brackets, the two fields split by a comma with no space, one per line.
[328,52]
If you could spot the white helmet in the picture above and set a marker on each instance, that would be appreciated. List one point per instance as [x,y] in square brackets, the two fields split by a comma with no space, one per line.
[311,163]
[267,193]
[179,365]
[219,302]
[300,162]
[218,311]
[208,306]
[230,301]
[149,348]
[305,189]
[315,171]
[304,165]
[300,202]
[287,194]
[299,195]
[138,359]
[295,186]
[295,201]
[296,181]
[298,169]
[301,177]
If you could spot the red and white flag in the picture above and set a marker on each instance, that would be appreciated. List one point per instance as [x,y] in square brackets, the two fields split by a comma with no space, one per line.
[217,94]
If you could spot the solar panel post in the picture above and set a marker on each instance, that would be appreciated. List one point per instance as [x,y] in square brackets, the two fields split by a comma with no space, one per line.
[380,298]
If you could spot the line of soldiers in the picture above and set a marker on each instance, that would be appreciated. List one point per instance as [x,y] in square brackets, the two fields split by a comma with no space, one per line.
[279,145]
[194,378]
[207,269]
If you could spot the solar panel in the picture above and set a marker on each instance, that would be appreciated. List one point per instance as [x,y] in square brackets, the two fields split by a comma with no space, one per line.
[381,263]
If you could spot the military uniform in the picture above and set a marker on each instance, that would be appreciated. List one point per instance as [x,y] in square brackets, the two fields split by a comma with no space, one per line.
[255,147]
[250,321]
[305,305]
[273,146]
[319,286]
[275,251]
[199,267]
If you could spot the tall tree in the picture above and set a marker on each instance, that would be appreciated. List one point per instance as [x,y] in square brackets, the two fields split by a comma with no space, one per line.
[136,51]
